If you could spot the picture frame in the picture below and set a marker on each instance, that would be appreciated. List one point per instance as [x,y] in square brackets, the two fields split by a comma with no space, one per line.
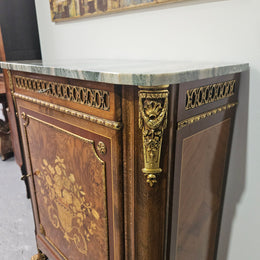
[62,10]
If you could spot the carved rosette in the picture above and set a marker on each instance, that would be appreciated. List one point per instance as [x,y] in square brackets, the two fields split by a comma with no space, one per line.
[153,110]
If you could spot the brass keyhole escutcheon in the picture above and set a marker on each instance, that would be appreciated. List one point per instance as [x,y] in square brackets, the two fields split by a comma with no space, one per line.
[36,173]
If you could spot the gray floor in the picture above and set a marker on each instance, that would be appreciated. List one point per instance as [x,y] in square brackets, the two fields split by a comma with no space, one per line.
[16,221]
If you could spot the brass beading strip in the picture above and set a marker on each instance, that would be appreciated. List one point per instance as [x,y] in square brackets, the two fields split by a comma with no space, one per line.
[197,118]
[105,122]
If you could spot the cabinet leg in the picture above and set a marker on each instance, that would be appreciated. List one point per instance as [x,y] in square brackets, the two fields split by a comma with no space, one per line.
[39,256]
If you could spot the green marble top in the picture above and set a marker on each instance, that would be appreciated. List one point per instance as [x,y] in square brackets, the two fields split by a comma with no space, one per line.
[129,72]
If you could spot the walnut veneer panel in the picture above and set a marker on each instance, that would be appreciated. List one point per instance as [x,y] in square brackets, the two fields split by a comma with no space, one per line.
[202,174]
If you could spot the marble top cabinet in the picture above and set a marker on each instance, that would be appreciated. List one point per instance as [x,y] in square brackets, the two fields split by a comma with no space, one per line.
[126,159]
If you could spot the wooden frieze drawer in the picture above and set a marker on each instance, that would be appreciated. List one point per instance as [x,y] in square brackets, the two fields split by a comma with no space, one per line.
[126,166]
[91,97]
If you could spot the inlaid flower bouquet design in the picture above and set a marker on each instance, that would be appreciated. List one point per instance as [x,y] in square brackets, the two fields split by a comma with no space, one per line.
[66,203]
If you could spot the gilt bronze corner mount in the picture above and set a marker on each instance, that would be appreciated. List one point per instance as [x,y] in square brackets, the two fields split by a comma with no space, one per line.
[153,110]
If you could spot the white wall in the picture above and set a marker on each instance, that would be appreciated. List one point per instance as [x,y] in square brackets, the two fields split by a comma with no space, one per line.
[227,30]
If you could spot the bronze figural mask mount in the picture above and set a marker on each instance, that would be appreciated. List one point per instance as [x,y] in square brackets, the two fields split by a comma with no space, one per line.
[153,110]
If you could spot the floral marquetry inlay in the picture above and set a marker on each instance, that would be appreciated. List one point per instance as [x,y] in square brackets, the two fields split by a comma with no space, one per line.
[65,200]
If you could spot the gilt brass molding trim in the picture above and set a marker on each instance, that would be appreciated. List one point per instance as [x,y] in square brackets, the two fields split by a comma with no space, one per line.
[96,98]
[154,87]
[153,110]
[105,122]
[197,118]
[10,80]
[207,94]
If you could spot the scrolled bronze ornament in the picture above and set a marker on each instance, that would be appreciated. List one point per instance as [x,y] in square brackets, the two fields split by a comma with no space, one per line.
[207,94]
[153,110]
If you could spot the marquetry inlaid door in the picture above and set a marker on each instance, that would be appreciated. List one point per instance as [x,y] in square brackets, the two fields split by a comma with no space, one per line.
[71,179]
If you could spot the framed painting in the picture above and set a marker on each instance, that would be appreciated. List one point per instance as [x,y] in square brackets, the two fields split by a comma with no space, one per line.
[70,9]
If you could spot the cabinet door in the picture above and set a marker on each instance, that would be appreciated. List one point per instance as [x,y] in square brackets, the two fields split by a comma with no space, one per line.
[72,179]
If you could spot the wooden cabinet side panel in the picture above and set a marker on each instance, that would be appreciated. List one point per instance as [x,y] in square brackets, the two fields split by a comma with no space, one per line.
[206,109]
[202,152]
